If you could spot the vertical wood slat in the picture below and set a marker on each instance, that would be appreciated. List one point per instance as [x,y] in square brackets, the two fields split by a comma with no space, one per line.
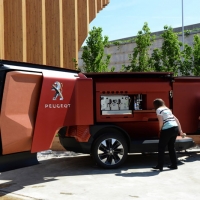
[44,55]
[1,29]
[13,44]
[70,33]
[52,33]
[105,2]
[83,21]
[61,32]
[92,9]
[99,5]
[24,30]
[34,31]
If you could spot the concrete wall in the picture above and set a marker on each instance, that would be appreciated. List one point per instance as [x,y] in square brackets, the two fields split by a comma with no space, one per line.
[120,53]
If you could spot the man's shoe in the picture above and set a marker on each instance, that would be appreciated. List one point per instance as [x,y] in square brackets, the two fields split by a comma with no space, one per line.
[172,167]
[157,167]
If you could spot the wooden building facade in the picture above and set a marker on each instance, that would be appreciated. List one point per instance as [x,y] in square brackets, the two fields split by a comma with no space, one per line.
[48,32]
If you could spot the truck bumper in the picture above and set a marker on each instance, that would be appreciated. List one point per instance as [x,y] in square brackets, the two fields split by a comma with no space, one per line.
[152,145]
[137,146]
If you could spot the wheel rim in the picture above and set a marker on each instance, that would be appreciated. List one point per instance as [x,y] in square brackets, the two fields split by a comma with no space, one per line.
[110,151]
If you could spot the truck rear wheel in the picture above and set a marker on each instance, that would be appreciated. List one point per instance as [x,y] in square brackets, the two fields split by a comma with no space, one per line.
[110,150]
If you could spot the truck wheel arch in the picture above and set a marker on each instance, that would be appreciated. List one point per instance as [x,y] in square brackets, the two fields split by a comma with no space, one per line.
[62,131]
[99,130]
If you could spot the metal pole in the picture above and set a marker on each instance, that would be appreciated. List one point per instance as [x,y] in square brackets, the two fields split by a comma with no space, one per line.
[182,26]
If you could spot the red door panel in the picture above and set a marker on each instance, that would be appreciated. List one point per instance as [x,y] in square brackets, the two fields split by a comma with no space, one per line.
[65,100]
[186,102]
[18,110]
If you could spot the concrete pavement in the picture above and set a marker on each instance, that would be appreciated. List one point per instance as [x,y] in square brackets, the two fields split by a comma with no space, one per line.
[76,177]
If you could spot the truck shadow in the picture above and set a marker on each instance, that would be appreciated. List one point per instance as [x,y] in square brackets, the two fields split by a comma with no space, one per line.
[146,161]
[136,165]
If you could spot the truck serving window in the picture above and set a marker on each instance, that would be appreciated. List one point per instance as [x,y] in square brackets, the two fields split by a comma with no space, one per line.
[122,104]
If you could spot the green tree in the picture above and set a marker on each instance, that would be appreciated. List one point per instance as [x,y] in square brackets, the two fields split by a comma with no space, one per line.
[156,60]
[196,55]
[93,55]
[170,58]
[186,64]
[171,53]
[140,59]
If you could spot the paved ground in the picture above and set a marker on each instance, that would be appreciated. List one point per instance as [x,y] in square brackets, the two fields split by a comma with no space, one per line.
[76,177]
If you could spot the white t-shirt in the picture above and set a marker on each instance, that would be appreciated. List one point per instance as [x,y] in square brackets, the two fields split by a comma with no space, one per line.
[167,116]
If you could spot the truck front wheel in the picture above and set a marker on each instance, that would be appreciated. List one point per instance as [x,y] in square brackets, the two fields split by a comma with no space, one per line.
[110,150]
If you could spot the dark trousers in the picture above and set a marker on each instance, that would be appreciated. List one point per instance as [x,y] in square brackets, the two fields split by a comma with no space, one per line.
[167,138]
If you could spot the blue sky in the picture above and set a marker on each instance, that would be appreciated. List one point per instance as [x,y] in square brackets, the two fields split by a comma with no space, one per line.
[124,18]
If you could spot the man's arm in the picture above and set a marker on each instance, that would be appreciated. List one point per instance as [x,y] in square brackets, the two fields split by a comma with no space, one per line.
[179,128]
[160,119]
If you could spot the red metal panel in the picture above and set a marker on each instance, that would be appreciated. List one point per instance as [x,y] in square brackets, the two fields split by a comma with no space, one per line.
[51,113]
[81,133]
[84,101]
[133,86]
[140,129]
[186,102]
[81,110]
[18,110]
[73,107]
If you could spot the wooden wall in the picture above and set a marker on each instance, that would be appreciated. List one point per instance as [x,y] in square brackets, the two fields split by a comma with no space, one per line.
[48,32]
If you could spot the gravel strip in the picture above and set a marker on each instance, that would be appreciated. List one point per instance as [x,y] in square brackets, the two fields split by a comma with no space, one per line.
[44,155]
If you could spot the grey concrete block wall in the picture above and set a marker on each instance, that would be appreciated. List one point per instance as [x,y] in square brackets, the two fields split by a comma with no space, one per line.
[120,54]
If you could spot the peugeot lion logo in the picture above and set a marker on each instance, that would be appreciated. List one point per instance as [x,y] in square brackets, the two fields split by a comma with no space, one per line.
[57,87]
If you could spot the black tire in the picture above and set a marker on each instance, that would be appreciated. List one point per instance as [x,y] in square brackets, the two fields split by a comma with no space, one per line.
[110,150]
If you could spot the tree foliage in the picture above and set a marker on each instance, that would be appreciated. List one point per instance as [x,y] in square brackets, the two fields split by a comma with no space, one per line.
[186,64]
[93,53]
[171,53]
[156,61]
[196,56]
[139,59]
[168,58]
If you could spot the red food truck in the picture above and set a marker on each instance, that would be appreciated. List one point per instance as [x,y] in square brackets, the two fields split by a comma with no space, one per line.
[107,115]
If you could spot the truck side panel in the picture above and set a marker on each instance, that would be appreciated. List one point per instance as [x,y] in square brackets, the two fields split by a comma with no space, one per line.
[186,102]
[18,111]
[141,123]
[81,104]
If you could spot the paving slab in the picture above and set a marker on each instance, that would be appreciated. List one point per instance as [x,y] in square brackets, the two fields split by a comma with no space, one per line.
[64,175]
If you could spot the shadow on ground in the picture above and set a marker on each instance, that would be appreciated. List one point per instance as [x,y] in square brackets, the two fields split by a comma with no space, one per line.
[50,170]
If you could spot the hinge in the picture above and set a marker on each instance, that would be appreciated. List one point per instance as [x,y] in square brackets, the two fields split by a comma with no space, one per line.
[171,93]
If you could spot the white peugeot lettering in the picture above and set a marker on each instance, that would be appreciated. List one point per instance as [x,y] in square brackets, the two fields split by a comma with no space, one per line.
[57,105]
